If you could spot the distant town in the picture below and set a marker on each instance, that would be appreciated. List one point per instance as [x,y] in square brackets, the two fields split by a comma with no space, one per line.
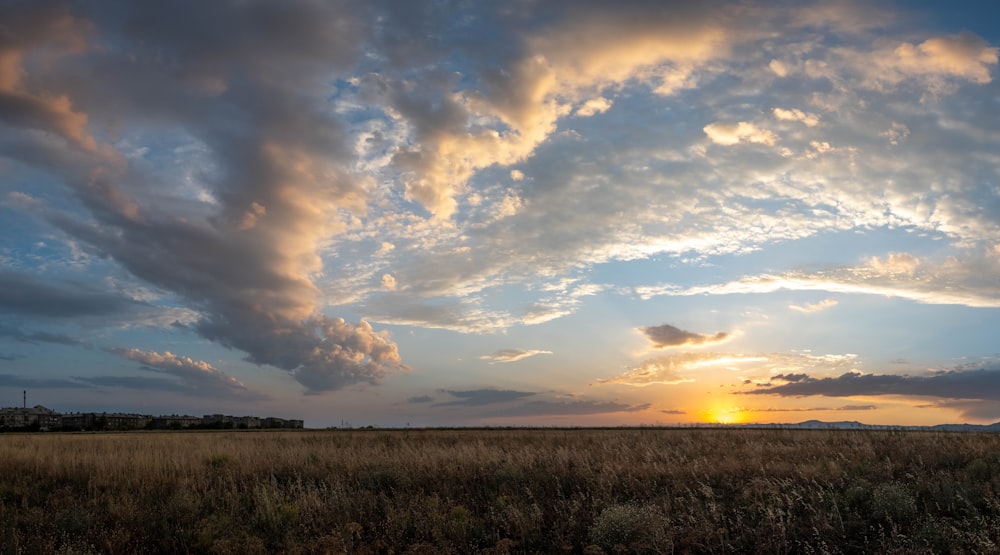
[42,419]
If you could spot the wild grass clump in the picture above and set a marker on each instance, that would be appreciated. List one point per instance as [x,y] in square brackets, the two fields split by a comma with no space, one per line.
[501,491]
[631,528]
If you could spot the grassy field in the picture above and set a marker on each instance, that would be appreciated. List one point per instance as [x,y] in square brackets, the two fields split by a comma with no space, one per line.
[501,491]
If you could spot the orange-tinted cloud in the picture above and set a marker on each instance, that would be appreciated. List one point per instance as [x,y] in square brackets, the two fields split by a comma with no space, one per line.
[54,32]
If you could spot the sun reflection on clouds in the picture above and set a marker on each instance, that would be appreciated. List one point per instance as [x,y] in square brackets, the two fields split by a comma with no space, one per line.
[670,369]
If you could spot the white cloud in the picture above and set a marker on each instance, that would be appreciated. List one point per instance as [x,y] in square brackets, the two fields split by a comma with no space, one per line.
[895,264]
[965,55]
[388,282]
[814,307]
[684,367]
[672,369]
[593,106]
[513,355]
[794,114]
[952,281]
[729,134]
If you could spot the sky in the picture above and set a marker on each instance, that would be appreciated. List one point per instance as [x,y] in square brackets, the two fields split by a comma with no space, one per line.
[552,213]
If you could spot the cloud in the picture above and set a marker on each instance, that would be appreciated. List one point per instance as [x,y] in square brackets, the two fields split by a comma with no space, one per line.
[729,134]
[981,384]
[497,403]
[143,383]
[35,337]
[675,368]
[954,280]
[666,335]
[976,409]
[670,369]
[563,300]
[455,134]
[22,382]
[244,254]
[895,263]
[578,407]
[513,355]
[847,408]
[650,372]
[964,56]
[814,307]
[53,28]
[26,295]
[194,374]
[76,302]
[463,315]
[388,281]
[480,397]
[593,106]
[794,114]
[420,399]
[265,167]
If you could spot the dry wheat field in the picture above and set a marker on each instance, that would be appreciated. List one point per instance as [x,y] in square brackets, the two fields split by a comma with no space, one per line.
[501,491]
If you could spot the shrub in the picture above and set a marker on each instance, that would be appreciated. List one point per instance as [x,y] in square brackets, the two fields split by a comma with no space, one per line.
[893,501]
[629,527]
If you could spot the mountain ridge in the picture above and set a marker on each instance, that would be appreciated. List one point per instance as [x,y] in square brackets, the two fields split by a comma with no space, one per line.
[855,425]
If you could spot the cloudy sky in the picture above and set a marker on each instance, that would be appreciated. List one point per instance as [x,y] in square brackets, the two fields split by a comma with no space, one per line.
[524,212]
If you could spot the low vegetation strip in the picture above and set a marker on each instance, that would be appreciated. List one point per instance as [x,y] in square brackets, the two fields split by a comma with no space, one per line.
[501,491]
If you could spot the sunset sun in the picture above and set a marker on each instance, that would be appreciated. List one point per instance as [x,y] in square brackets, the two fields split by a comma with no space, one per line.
[725,414]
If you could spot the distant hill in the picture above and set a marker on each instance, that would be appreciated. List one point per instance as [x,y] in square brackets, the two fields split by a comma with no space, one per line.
[853,425]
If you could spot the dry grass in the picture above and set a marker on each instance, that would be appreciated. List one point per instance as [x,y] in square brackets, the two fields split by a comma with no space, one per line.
[501,491]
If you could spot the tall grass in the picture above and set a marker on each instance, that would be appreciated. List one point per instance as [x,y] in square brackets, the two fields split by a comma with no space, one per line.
[501,491]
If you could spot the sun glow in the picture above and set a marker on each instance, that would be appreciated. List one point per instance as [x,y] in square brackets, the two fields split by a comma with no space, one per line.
[725,415]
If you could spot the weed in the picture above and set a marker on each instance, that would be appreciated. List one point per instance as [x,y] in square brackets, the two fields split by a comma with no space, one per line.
[500,491]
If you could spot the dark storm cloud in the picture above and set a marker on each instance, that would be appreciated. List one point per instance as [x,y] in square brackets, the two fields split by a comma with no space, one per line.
[36,337]
[166,385]
[670,336]
[974,408]
[140,383]
[956,384]
[248,82]
[27,295]
[25,27]
[18,381]
[480,397]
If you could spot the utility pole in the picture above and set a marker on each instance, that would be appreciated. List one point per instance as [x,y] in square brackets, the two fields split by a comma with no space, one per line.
[25,401]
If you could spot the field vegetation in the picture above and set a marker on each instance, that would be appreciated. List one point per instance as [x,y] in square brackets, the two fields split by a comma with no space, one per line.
[501,491]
